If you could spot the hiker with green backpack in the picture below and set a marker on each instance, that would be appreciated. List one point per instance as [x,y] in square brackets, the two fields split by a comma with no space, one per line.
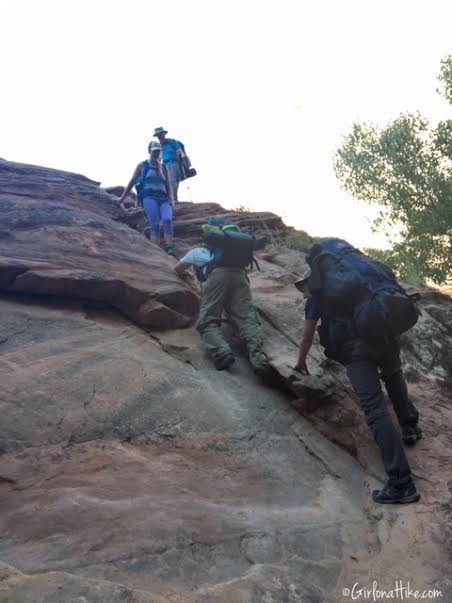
[221,264]
[363,310]
[154,194]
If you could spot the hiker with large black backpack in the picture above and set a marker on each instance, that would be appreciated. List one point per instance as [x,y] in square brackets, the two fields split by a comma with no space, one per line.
[363,310]
[221,264]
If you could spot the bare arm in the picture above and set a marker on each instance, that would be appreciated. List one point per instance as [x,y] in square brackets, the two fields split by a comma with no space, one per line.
[305,345]
[182,155]
[183,270]
[129,187]
[181,151]
[182,267]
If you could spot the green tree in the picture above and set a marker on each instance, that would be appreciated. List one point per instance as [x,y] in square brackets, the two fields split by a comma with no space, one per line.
[406,168]
[445,78]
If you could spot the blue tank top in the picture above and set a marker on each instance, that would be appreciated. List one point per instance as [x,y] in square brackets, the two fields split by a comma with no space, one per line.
[154,184]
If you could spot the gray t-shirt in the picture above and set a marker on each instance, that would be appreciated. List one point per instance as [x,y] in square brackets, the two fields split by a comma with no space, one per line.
[198,256]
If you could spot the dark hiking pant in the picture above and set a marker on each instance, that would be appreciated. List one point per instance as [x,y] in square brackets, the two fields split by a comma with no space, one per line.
[228,289]
[367,358]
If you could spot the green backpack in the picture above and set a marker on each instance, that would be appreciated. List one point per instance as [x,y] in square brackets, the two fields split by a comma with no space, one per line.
[230,246]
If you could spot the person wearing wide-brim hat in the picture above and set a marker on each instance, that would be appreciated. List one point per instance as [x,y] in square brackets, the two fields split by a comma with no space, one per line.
[174,157]
[367,359]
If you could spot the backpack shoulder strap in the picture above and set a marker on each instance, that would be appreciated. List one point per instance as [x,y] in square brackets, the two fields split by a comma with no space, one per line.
[162,170]
[145,168]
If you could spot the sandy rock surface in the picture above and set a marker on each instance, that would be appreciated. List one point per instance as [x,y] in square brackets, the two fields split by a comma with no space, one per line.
[131,470]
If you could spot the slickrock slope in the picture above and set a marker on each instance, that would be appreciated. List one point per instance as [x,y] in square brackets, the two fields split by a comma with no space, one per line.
[60,234]
[131,470]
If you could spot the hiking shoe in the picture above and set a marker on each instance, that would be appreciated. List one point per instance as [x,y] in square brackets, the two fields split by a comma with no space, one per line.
[411,434]
[263,371]
[392,495]
[259,362]
[169,248]
[224,363]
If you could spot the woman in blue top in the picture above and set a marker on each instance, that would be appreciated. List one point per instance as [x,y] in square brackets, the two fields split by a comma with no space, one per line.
[156,195]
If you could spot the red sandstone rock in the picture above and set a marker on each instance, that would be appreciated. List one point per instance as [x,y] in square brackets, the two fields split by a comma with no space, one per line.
[60,235]
[133,471]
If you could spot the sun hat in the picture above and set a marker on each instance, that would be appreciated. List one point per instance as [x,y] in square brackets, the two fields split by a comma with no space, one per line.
[301,282]
[160,131]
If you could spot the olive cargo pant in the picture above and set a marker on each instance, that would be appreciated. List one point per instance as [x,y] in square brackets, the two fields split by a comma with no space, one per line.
[229,289]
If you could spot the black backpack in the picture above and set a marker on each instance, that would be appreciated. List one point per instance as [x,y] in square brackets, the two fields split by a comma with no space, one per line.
[336,336]
[355,287]
[231,247]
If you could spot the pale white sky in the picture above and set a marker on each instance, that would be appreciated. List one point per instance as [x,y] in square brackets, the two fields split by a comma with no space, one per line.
[260,92]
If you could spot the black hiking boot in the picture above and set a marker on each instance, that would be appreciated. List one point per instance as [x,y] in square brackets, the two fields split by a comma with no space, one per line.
[411,434]
[224,363]
[392,495]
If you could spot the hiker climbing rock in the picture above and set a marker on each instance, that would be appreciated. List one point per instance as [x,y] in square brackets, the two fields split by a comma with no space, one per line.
[198,258]
[175,158]
[152,184]
[222,265]
[362,310]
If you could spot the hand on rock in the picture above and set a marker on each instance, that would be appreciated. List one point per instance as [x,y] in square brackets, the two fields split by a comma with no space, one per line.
[130,206]
[188,276]
[301,368]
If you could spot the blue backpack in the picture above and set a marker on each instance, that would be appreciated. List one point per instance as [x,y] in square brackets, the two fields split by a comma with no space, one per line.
[356,287]
[139,182]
